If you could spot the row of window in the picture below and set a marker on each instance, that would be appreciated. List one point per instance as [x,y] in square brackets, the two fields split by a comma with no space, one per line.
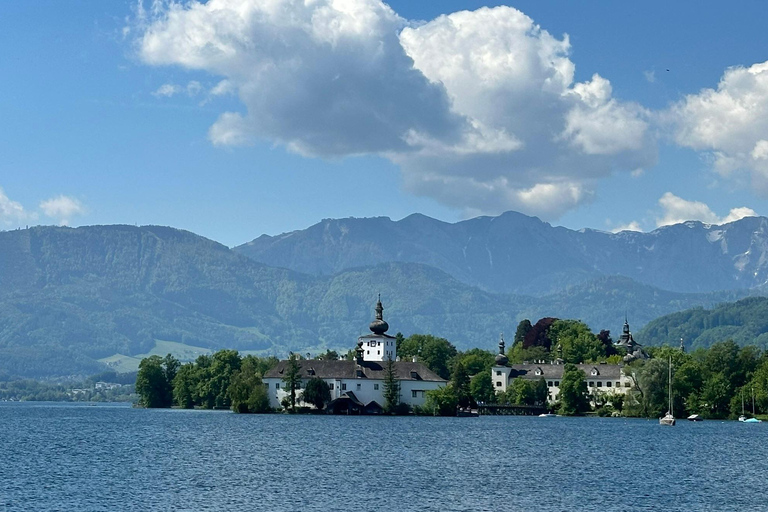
[330,385]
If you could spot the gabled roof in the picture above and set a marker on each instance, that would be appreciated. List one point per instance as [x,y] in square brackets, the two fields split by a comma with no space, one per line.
[309,368]
[555,371]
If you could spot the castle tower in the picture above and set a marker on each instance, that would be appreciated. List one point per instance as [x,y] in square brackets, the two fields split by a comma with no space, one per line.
[378,346]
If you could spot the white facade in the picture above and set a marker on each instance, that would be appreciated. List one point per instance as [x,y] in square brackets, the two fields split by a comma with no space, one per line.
[600,378]
[378,347]
[412,392]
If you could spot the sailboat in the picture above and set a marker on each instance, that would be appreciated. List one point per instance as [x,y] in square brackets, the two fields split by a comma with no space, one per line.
[669,418]
[743,418]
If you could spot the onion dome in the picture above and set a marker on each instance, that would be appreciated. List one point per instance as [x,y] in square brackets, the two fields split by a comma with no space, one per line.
[501,358]
[379,326]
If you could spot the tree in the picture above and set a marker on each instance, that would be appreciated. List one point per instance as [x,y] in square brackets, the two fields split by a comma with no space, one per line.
[184,385]
[578,342]
[436,353]
[330,355]
[476,360]
[442,401]
[460,381]
[481,387]
[317,393]
[521,392]
[391,388]
[246,391]
[225,363]
[573,391]
[292,378]
[523,328]
[152,384]
[539,336]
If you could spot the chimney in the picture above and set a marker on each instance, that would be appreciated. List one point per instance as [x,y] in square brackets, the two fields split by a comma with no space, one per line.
[415,359]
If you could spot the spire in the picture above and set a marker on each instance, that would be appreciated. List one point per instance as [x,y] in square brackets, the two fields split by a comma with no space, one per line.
[501,358]
[379,326]
[682,345]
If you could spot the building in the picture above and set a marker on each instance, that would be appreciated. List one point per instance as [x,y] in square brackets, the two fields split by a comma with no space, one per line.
[358,386]
[600,377]
[628,343]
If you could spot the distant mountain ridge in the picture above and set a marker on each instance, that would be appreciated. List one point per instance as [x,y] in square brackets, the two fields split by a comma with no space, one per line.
[514,253]
[70,297]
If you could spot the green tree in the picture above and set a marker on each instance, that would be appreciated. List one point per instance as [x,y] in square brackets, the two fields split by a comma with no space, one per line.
[292,378]
[476,360]
[152,383]
[579,343]
[184,385]
[317,393]
[481,387]
[247,393]
[460,381]
[573,391]
[436,353]
[225,363]
[442,401]
[391,388]
[330,355]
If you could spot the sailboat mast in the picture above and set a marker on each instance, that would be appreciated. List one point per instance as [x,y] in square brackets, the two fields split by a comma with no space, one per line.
[670,385]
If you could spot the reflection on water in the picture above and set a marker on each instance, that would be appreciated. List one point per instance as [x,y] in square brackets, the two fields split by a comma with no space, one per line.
[75,457]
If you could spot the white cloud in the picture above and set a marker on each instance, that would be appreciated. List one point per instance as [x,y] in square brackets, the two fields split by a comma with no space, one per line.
[650,76]
[11,212]
[223,88]
[479,108]
[676,210]
[632,226]
[730,123]
[62,209]
[167,90]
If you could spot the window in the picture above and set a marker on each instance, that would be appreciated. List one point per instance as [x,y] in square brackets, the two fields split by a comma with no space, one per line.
[608,384]
[376,387]
[550,383]
[591,383]
[414,393]
[599,384]
[369,352]
[277,385]
[330,386]
[618,384]
[298,385]
[343,387]
[557,383]
[498,384]
[378,352]
[626,384]
[498,373]
[359,386]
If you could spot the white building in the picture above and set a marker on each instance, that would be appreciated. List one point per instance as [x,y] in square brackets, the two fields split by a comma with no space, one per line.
[600,377]
[358,385]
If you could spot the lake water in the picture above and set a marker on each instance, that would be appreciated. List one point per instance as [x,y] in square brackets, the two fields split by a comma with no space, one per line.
[77,457]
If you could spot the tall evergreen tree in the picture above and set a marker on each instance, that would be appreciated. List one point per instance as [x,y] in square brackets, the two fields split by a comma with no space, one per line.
[391,387]
[460,381]
[292,378]
[523,328]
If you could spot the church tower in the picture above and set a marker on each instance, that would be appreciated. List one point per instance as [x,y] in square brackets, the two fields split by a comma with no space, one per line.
[378,346]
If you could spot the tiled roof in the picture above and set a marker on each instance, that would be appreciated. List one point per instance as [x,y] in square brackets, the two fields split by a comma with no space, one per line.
[349,370]
[555,371]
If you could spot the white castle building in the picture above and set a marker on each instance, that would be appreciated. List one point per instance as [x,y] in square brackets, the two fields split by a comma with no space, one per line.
[600,377]
[358,386]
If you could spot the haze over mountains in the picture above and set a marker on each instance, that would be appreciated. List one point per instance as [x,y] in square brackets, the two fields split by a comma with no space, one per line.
[72,300]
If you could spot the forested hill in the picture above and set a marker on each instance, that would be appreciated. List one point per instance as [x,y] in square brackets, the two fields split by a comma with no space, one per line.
[70,297]
[514,253]
[744,321]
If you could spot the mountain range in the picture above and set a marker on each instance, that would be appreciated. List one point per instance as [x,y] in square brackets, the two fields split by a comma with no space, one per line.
[74,300]
[514,253]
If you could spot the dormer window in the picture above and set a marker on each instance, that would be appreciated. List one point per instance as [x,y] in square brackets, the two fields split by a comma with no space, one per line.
[594,372]
[538,371]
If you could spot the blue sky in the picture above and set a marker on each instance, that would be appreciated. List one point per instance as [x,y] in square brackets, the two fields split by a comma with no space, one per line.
[236,126]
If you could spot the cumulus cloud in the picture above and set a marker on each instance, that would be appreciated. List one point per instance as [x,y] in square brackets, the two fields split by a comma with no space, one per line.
[11,211]
[167,90]
[676,210]
[62,208]
[479,109]
[730,123]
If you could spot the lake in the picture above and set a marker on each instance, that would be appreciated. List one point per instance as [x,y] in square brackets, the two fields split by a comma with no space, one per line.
[113,457]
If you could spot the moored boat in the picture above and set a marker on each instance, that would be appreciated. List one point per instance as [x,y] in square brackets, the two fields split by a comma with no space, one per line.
[695,417]
[669,418]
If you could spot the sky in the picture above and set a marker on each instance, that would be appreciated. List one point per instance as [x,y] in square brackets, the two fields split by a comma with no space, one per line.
[235,118]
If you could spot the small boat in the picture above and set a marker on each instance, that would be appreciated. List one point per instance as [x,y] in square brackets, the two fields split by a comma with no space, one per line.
[669,418]
[743,418]
[547,415]
[695,417]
